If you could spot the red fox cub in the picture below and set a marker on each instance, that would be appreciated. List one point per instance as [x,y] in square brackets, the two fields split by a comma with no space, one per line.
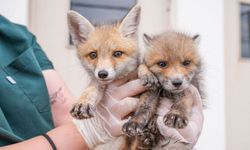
[107,52]
[171,64]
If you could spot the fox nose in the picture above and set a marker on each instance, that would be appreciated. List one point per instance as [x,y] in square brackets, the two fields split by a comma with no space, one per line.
[103,74]
[177,83]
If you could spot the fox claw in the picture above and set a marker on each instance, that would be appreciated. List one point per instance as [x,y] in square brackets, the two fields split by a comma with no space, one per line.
[175,119]
[82,111]
[132,128]
[148,139]
[149,80]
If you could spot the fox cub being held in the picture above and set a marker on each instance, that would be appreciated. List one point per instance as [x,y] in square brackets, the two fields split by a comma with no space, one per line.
[107,52]
[171,64]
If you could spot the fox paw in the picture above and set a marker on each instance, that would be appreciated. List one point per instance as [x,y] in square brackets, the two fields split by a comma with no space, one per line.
[147,139]
[82,111]
[175,119]
[152,126]
[149,80]
[132,128]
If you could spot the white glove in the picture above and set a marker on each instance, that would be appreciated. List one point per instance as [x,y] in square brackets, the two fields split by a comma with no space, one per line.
[110,112]
[189,134]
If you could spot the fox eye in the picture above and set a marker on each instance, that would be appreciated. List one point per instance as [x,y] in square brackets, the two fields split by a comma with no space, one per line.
[93,55]
[162,64]
[186,62]
[117,53]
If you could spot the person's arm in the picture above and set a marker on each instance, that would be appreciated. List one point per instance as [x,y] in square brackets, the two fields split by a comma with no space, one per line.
[65,137]
[82,135]
[60,97]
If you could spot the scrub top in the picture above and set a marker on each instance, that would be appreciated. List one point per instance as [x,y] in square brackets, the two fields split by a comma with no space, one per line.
[24,101]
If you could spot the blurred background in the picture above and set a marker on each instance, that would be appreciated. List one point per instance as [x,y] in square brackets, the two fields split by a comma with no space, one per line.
[224,26]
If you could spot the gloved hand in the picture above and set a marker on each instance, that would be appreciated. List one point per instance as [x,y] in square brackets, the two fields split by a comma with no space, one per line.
[110,112]
[189,134]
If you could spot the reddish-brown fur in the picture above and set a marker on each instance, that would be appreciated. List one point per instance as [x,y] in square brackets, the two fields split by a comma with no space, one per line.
[105,40]
[175,49]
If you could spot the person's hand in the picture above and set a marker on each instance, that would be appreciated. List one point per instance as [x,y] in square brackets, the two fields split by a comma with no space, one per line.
[110,112]
[189,134]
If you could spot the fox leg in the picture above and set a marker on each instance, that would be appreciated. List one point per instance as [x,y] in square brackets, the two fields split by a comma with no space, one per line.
[145,141]
[148,102]
[146,109]
[85,107]
[150,135]
[179,113]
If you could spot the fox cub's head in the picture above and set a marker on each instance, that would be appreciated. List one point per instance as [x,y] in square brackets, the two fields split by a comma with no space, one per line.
[173,57]
[107,51]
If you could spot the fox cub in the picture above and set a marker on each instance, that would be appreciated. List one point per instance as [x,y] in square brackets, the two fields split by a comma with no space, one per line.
[107,52]
[171,64]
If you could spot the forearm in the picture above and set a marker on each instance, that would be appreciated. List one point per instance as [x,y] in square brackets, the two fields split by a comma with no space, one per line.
[60,97]
[65,137]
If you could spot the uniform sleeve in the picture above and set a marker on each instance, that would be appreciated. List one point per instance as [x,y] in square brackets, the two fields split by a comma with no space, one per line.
[22,39]
[41,57]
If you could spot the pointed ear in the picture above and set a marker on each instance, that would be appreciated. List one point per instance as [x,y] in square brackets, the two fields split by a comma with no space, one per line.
[79,27]
[196,38]
[129,24]
[147,39]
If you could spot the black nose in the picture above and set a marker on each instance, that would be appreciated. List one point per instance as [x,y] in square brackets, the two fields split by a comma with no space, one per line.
[103,74]
[177,83]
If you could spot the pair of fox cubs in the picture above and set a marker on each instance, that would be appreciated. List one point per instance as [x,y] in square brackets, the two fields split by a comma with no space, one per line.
[170,65]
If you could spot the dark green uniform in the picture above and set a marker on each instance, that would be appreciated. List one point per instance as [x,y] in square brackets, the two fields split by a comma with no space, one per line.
[24,100]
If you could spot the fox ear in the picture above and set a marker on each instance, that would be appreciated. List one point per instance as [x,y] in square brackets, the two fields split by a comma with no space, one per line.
[196,38]
[147,39]
[79,27]
[129,24]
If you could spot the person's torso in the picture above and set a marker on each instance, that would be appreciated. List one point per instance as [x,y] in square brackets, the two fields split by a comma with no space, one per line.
[24,100]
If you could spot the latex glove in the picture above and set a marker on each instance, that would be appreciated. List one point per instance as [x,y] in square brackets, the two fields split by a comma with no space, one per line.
[189,134]
[108,120]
